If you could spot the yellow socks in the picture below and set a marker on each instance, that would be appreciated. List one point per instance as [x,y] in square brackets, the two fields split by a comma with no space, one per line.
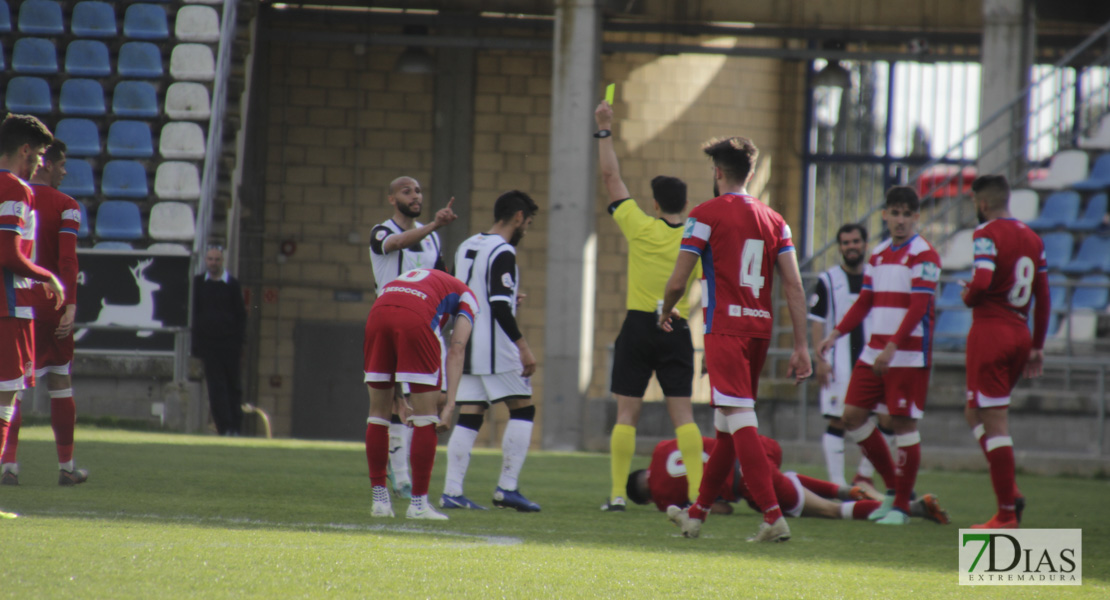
[691,447]
[622,445]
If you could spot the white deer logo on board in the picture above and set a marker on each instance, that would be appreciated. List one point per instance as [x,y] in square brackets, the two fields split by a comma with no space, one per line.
[131,315]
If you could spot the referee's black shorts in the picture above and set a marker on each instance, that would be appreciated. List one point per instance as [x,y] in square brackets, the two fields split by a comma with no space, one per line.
[642,348]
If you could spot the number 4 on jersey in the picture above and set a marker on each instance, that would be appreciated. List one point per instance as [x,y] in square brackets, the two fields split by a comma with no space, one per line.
[751,266]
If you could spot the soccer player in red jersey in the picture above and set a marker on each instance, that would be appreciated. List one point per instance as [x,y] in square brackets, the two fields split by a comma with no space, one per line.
[403,345]
[740,241]
[58,218]
[23,140]
[893,370]
[1010,273]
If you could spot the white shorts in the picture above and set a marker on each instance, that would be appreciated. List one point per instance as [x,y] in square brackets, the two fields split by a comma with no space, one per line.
[832,399]
[795,511]
[494,388]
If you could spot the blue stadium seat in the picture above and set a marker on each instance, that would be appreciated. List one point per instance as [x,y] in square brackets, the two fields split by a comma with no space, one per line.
[113,245]
[84,230]
[1057,293]
[1059,210]
[119,220]
[124,179]
[135,99]
[79,179]
[88,58]
[145,22]
[3,64]
[130,139]
[1093,214]
[80,136]
[1057,248]
[28,95]
[5,17]
[82,97]
[34,56]
[1099,178]
[1092,298]
[951,330]
[41,17]
[1093,255]
[93,20]
[139,59]
[950,293]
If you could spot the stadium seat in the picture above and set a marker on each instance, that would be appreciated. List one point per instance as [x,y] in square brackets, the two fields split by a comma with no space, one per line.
[203,1]
[79,179]
[177,181]
[1099,179]
[139,59]
[1092,298]
[1093,255]
[172,221]
[80,136]
[192,62]
[5,17]
[28,95]
[188,101]
[145,22]
[1094,215]
[181,140]
[168,248]
[93,20]
[951,329]
[34,56]
[959,253]
[1060,210]
[124,179]
[950,292]
[1081,326]
[113,245]
[1058,246]
[197,24]
[82,97]
[1024,205]
[3,63]
[130,139]
[84,230]
[119,220]
[1058,291]
[88,58]
[41,17]
[135,99]
[1100,139]
[1066,168]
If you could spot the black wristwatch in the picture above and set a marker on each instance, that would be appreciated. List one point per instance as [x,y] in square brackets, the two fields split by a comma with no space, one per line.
[604,133]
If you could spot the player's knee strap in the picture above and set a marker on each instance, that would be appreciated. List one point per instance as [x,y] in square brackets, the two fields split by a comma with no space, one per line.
[7,412]
[904,440]
[740,420]
[423,420]
[524,413]
[864,432]
[377,421]
[66,393]
[719,422]
[1000,441]
[978,431]
[470,421]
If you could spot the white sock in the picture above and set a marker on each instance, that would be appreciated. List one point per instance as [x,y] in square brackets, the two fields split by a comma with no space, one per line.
[834,457]
[419,502]
[380,494]
[9,468]
[514,449]
[458,459]
[66,466]
[865,469]
[846,509]
[399,442]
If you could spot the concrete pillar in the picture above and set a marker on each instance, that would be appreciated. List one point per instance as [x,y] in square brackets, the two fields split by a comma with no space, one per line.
[571,248]
[1008,44]
[453,150]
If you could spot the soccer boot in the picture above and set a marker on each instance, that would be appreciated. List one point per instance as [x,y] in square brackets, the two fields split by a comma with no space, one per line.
[690,528]
[884,508]
[778,531]
[894,517]
[9,478]
[426,513]
[614,505]
[459,501]
[8,515]
[403,491]
[381,509]
[71,478]
[513,499]
[846,493]
[997,523]
[1019,507]
[932,510]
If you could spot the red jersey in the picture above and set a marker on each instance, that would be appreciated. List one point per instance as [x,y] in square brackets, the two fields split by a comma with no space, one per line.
[739,240]
[58,218]
[17,215]
[1010,267]
[667,473]
[434,295]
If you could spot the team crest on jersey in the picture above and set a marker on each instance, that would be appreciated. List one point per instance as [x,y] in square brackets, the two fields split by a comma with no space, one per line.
[689,231]
[930,272]
[812,300]
[381,235]
[985,247]
[507,280]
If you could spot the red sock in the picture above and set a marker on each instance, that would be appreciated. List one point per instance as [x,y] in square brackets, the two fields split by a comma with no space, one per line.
[982,439]
[377,452]
[785,492]
[909,460]
[713,476]
[13,435]
[825,489]
[422,456]
[1001,460]
[863,508]
[3,435]
[63,412]
[877,451]
[757,472]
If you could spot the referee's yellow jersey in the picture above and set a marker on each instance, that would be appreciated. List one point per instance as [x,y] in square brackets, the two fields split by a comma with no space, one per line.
[653,246]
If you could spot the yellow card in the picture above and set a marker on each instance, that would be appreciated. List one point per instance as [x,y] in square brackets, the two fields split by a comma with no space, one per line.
[610,91]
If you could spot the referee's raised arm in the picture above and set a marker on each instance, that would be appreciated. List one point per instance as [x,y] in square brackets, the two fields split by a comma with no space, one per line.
[610,167]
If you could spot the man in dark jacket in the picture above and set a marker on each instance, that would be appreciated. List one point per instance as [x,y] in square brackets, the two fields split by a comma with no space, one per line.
[219,325]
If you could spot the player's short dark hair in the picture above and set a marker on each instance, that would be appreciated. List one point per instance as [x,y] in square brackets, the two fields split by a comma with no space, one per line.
[633,491]
[735,156]
[55,151]
[670,193]
[849,228]
[995,189]
[903,195]
[19,130]
[512,202]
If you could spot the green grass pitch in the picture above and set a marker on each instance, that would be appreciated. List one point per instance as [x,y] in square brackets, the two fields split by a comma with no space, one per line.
[175,516]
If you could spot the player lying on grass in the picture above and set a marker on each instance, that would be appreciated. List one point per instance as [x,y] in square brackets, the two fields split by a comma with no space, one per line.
[664,483]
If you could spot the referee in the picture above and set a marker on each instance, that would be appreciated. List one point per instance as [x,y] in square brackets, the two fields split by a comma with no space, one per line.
[642,347]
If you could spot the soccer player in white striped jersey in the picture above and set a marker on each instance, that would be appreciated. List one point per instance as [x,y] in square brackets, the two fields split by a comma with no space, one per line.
[499,362]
